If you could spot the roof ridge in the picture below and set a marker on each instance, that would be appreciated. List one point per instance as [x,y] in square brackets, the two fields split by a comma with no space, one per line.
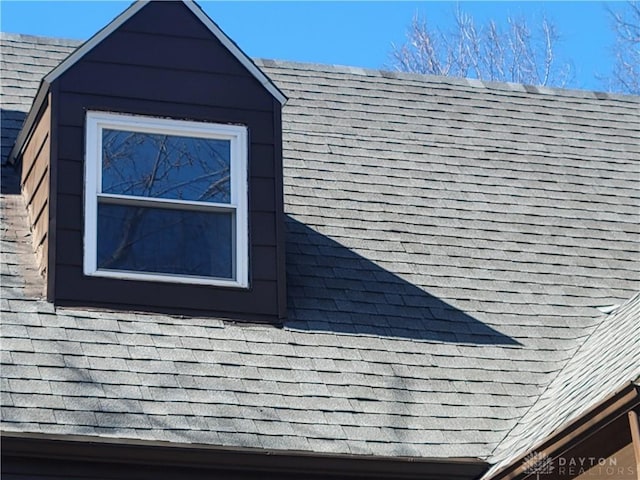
[377,72]
[461,81]
[42,39]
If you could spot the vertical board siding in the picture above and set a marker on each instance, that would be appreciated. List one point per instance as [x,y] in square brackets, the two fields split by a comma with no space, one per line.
[35,186]
[164,63]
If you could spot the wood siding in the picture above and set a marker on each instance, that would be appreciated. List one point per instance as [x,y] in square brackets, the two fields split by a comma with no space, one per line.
[35,185]
[163,62]
[620,465]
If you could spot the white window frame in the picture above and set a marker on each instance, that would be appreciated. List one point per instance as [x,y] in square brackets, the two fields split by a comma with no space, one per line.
[237,136]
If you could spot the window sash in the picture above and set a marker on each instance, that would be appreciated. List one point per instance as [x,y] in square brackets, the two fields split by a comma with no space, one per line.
[236,135]
[165,203]
[166,241]
[182,167]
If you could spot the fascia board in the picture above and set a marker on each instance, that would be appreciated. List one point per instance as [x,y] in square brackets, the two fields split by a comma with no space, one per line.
[29,123]
[266,462]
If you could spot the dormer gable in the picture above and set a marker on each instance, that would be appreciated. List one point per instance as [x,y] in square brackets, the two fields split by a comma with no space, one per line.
[152,170]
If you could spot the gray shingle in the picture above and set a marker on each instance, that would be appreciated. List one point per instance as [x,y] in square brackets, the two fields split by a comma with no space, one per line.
[35,400]
[126,420]
[17,344]
[75,418]
[36,358]
[101,350]
[77,388]
[21,414]
[27,386]
[20,371]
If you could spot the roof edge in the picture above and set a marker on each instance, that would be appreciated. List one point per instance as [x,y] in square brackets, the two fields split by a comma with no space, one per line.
[35,38]
[29,123]
[109,450]
[622,400]
[472,83]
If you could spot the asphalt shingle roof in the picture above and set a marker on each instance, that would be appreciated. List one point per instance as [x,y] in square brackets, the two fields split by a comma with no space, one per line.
[448,244]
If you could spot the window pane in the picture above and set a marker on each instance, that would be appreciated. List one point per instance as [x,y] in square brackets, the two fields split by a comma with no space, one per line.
[158,240]
[166,166]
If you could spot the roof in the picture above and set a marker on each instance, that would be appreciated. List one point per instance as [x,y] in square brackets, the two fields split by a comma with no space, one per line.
[449,243]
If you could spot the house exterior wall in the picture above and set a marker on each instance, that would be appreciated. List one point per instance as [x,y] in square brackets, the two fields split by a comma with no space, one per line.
[163,62]
[35,185]
[621,465]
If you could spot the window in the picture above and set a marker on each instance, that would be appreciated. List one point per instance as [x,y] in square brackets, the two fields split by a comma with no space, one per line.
[166,200]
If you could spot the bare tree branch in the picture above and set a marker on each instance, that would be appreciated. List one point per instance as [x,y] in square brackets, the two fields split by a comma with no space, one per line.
[626,50]
[517,54]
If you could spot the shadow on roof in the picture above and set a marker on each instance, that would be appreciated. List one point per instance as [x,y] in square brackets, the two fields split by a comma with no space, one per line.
[10,181]
[332,288]
[11,121]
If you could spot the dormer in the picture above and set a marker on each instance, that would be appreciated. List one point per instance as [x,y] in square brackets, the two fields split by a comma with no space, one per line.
[152,170]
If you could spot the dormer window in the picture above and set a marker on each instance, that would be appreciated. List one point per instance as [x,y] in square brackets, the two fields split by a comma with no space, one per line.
[165,200]
[136,165]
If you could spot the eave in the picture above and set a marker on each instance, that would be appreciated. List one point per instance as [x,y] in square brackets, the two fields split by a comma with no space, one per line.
[587,436]
[105,450]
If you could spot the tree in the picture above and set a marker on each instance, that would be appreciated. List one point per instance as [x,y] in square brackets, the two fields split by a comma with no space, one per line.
[626,68]
[486,52]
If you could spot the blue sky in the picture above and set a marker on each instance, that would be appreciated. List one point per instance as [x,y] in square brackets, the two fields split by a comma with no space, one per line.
[347,33]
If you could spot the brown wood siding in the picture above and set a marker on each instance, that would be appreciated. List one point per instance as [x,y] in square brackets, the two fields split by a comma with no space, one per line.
[620,465]
[163,62]
[35,185]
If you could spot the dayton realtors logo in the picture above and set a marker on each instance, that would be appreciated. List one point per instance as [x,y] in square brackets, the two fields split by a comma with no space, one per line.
[597,467]
[538,463]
